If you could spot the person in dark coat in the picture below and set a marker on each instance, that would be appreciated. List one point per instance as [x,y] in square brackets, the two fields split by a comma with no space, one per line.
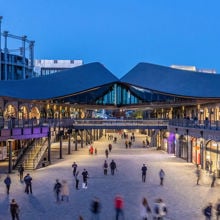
[21,172]
[95,208]
[110,147]
[144,172]
[85,175]
[113,167]
[106,153]
[14,209]
[198,174]
[28,183]
[161,174]
[213,179]
[7,182]
[208,212]
[74,166]
[57,189]
[105,167]
[77,180]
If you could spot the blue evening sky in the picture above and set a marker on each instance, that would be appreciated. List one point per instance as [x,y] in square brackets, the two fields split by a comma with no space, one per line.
[119,33]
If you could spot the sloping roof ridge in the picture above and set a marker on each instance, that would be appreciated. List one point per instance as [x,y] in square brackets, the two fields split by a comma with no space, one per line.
[172,68]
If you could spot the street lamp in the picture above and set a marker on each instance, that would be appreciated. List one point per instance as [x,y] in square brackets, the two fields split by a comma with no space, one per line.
[69,140]
[201,149]
[10,155]
[187,144]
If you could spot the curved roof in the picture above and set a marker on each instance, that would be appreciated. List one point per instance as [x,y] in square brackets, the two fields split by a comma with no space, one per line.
[60,84]
[173,81]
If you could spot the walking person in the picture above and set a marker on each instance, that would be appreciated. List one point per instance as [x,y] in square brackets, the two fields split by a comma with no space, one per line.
[57,189]
[160,209]
[21,172]
[28,183]
[7,182]
[213,179]
[95,208]
[208,211]
[85,175]
[113,167]
[161,175]
[119,206]
[105,167]
[65,191]
[74,166]
[14,209]
[218,210]
[77,180]
[145,209]
[110,147]
[106,153]
[144,172]
[198,175]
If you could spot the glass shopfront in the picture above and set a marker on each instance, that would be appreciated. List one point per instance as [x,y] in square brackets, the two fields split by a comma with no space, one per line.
[212,159]
[196,151]
[183,147]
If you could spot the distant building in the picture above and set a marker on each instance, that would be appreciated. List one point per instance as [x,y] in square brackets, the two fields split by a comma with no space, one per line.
[46,67]
[15,63]
[193,68]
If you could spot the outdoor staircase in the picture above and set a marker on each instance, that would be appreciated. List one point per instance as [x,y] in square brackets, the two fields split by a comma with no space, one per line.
[33,155]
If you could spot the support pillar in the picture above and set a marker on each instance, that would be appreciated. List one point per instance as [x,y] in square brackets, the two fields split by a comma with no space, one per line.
[49,147]
[82,139]
[10,156]
[75,137]
[69,144]
[202,151]
[69,139]
[61,145]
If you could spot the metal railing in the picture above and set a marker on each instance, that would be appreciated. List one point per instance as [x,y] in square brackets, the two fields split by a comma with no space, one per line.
[200,124]
[70,122]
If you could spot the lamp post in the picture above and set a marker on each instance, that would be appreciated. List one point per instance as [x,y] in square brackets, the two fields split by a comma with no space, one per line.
[61,144]
[49,146]
[69,140]
[10,155]
[201,150]
[187,144]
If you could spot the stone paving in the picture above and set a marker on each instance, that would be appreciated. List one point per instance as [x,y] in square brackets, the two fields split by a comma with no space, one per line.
[182,196]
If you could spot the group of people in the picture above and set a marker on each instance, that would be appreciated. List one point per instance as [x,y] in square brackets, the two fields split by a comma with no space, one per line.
[144,174]
[199,175]
[85,176]
[14,207]
[158,212]
[61,190]
[95,208]
[112,166]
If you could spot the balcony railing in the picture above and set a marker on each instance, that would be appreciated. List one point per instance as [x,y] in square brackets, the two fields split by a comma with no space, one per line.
[200,124]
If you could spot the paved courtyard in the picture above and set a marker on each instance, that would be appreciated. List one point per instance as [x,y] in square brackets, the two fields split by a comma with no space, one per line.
[182,196]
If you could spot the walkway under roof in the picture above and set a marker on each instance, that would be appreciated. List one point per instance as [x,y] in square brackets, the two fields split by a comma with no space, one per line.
[170,81]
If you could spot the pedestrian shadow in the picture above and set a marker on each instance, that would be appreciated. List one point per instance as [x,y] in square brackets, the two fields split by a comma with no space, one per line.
[5,206]
[36,204]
